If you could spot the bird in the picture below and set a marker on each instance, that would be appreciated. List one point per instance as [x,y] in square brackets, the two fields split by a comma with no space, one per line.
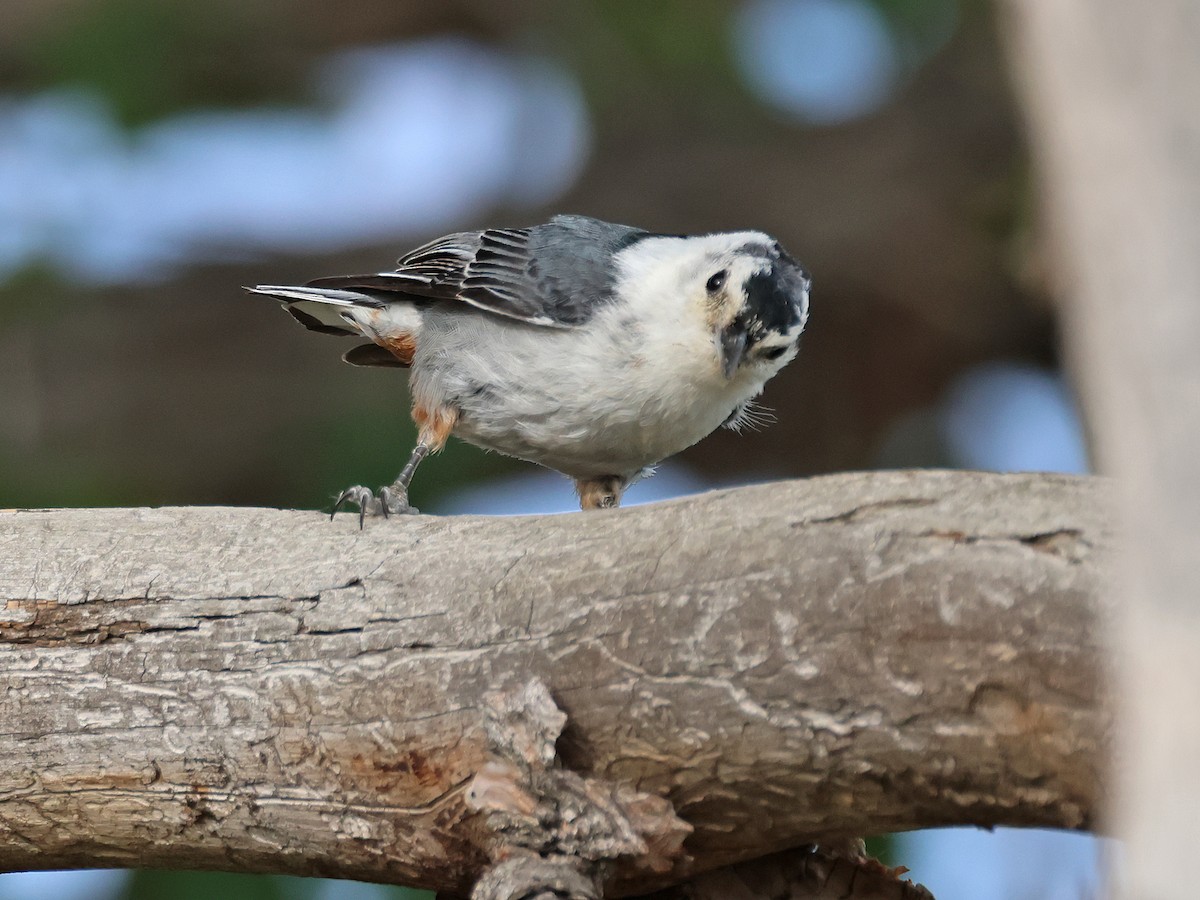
[591,348]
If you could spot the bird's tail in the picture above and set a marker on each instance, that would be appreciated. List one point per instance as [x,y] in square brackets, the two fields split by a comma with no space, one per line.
[326,310]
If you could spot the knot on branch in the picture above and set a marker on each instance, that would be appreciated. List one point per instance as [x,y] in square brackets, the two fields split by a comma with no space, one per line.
[553,832]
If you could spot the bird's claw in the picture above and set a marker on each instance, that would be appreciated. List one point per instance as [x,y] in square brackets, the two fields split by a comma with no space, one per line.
[389,501]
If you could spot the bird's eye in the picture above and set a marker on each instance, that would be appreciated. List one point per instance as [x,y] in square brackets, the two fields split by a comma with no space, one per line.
[717,282]
[774,352]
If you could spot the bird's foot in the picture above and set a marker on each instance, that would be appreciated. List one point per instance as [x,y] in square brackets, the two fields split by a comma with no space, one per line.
[395,501]
[601,493]
[388,501]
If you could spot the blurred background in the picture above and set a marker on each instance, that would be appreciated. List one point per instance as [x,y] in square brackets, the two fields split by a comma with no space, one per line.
[155,155]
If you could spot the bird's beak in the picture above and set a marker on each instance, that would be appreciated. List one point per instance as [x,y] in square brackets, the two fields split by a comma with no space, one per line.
[732,341]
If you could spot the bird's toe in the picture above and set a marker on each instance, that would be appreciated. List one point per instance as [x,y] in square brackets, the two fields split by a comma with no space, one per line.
[394,501]
[362,497]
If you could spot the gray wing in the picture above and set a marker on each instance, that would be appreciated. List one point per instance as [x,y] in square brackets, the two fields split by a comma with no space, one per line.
[555,275]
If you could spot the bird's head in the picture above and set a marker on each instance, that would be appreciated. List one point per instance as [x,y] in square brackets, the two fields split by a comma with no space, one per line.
[756,302]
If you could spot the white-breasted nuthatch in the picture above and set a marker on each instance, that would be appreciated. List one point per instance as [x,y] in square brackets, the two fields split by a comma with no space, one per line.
[590,348]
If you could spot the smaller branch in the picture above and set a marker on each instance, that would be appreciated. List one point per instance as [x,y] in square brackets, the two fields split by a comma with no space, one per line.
[807,873]
[553,832]
[530,877]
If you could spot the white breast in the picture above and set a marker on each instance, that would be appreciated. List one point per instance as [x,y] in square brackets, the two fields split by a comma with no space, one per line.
[609,398]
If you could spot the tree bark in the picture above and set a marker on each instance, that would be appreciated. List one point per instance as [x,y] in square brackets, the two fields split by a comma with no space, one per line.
[261,690]
[1113,90]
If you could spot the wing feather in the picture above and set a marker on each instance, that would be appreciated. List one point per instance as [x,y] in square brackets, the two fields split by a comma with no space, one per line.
[552,275]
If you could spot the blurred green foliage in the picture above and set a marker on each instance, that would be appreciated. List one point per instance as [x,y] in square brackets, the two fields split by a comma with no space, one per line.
[39,280]
[374,448]
[149,58]
[71,477]
[152,884]
[633,56]
[920,28]
[883,848]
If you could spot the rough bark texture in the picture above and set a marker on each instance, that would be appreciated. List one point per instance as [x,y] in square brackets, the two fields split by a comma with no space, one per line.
[1114,95]
[553,832]
[264,690]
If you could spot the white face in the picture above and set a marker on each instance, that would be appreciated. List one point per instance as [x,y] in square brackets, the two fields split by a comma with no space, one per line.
[738,292]
[755,300]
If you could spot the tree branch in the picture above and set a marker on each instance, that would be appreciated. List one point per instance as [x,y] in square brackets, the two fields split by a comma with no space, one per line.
[806,873]
[260,690]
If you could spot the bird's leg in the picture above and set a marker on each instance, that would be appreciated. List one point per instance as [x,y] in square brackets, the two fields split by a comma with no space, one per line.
[600,493]
[394,497]
[433,430]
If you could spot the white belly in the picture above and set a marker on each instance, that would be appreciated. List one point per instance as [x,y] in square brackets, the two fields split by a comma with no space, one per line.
[608,398]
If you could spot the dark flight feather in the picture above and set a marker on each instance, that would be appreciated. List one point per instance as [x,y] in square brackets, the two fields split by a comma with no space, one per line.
[312,323]
[372,355]
[554,275]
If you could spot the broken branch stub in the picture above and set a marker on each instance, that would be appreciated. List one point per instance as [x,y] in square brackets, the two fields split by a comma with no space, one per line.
[551,831]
